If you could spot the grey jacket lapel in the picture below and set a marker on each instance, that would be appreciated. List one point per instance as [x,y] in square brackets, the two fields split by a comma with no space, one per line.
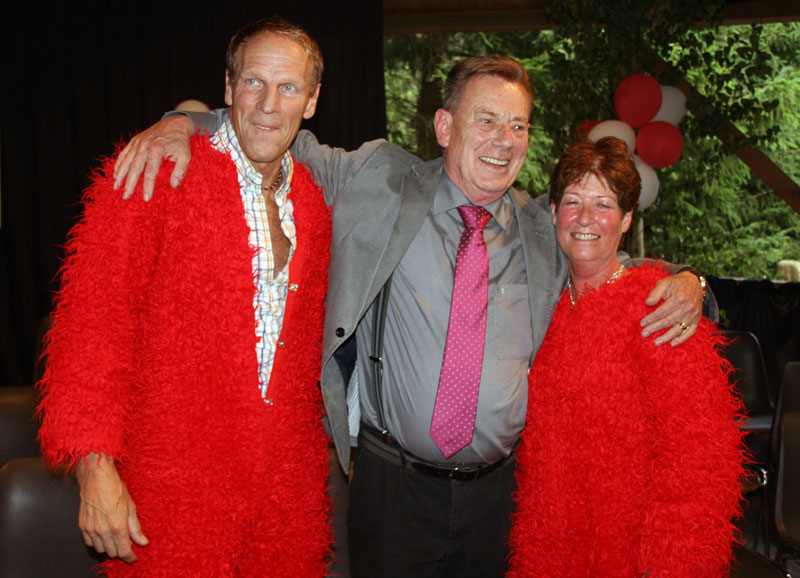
[418,190]
[544,263]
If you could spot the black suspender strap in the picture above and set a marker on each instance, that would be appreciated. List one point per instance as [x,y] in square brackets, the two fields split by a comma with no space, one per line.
[378,325]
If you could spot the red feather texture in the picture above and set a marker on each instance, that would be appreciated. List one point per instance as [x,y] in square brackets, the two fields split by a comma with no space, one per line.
[631,458]
[152,360]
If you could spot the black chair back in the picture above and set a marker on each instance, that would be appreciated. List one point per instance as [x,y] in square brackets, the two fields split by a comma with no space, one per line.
[18,428]
[748,563]
[750,378]
[39,534]
[788,400]
[787,492]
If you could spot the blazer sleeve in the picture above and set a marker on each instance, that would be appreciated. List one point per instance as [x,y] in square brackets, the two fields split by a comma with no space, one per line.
[202,122]
[335,168]
[710,305]
[696,443]
[332,167]
[91,349]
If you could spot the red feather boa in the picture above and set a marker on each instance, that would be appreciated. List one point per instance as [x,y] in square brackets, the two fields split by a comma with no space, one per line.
[630,459]
[152,360]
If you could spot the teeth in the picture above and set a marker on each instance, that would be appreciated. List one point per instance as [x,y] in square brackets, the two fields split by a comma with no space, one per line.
[493,161]
[585,236]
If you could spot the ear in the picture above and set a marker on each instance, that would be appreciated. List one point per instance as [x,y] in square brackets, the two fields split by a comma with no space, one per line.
[443,125]
[553,211]
[311,105]
[627,218]
[228,89]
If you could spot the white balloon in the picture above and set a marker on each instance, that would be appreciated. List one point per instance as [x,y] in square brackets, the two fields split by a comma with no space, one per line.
[649,183]
[617,128]
[673,105]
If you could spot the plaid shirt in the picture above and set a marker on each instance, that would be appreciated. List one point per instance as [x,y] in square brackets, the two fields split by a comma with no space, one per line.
[271,288]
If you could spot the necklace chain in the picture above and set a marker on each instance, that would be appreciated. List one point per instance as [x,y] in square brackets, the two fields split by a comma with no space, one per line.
[277,181]
[573,300]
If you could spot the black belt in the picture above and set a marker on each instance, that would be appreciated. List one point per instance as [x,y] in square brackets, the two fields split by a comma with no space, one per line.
[384,446]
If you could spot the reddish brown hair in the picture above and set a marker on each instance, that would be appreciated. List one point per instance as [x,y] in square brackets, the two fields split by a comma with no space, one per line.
[607,159]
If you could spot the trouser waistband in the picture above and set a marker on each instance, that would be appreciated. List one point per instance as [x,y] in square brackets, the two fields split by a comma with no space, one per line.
[384,446]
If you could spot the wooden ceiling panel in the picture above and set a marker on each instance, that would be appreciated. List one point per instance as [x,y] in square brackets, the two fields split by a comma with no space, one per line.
[432,16]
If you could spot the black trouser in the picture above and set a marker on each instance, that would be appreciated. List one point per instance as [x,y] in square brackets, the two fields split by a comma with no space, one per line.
[402,523]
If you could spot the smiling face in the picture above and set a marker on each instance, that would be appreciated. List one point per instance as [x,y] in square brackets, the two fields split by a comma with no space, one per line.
[485,137]
[270,96]
[589,225]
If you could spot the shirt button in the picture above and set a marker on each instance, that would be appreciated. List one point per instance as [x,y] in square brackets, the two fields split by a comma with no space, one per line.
[281,343]
[339,332]
[292,286]
[268,401]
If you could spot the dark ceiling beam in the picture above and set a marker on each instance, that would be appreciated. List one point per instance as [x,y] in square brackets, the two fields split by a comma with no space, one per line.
[430,22]
[464,21]
[772,175]
[764,11]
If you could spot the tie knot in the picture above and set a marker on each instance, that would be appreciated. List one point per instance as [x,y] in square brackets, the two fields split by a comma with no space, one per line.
[474,217]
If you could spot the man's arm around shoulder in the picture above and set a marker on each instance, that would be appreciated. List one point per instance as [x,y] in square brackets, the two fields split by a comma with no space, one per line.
[168,138]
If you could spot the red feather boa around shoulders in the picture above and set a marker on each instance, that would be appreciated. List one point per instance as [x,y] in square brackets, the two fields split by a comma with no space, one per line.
[630,459]
[152,360]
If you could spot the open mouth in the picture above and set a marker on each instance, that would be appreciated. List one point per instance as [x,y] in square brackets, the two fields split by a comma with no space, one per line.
[494,161]
[585,236]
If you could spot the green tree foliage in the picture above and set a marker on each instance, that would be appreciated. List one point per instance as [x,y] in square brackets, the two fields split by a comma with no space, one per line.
[712,211]
[416,67]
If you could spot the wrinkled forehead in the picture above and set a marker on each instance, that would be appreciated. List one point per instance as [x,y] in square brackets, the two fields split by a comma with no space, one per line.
[285,53]
[494,95]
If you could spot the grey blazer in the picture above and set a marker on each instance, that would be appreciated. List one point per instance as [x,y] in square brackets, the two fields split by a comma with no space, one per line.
[380,195]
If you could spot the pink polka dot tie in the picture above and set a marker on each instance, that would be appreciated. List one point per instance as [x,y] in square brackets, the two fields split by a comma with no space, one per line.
[457,398]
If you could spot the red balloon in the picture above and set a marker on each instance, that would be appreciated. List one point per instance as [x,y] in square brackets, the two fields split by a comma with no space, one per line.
[637,99]
[585,128]
[659,144]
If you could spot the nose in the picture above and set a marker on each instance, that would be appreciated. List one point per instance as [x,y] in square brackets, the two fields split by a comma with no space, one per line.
[503,135]
[269,101]
[586,215]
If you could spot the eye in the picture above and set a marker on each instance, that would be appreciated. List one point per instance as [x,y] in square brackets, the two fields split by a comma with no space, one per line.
[289,88]
[520,127]
[252,83]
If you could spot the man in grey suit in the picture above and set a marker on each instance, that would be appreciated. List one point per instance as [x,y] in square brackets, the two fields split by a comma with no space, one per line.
[413,511]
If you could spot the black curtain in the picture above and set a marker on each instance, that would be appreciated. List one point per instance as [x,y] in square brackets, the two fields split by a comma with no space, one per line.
[79,78]
[770,311]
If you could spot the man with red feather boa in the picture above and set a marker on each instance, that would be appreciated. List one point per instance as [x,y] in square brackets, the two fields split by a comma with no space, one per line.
[193,425]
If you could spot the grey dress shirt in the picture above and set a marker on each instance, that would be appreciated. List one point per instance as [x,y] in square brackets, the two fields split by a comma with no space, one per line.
[378,188]
[416,327]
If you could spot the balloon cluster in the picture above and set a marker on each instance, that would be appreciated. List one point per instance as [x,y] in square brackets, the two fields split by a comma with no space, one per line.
[655,110]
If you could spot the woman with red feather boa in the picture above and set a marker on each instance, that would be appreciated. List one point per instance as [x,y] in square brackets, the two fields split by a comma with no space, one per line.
[630,460]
